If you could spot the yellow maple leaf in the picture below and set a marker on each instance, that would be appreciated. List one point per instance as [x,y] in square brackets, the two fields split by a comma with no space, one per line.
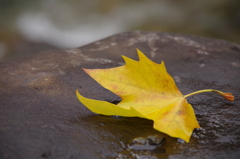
[147,91]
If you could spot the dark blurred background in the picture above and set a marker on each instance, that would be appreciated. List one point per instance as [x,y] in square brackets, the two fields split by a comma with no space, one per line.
[27,27]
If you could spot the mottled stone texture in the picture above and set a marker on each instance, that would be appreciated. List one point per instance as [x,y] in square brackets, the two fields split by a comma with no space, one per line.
[40,116]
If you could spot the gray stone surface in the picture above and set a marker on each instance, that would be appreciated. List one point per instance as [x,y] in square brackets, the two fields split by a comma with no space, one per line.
[40,116]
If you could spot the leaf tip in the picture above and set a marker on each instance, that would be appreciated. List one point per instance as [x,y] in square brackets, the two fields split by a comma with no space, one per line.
[127,59]
[88,71]
[77,93]
[162,63]
[85,70]
[141,55]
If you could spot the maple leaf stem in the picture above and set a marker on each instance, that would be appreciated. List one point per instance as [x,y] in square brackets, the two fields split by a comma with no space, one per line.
[227,96]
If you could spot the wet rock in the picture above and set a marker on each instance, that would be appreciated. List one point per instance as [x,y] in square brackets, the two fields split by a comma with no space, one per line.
[142,147]
[40,116]
[149,143]
[155,139]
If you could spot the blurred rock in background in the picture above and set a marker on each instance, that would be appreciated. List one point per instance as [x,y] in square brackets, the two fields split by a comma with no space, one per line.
[27,27]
